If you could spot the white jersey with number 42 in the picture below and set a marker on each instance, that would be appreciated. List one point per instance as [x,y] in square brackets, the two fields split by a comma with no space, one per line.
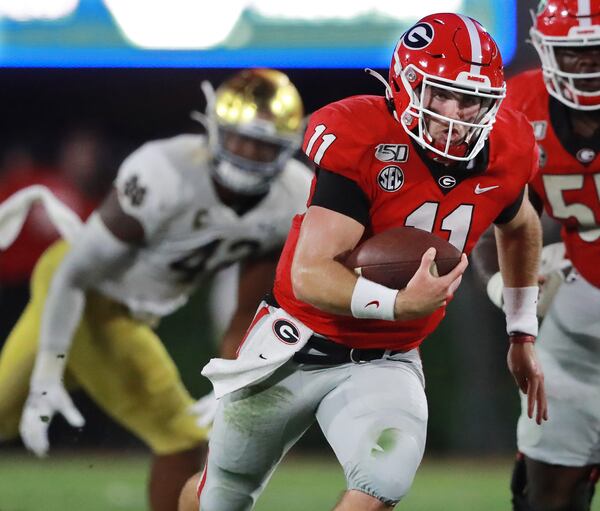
[189,232]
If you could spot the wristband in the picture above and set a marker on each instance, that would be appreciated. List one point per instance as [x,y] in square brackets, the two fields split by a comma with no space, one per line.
[373,301]
[519,338]
[520,307]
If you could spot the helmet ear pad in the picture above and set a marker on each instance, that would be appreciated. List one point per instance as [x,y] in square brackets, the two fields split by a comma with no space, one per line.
[406,90]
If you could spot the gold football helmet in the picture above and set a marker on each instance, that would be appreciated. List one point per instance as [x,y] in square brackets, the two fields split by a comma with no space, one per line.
[261,102]
[262,107]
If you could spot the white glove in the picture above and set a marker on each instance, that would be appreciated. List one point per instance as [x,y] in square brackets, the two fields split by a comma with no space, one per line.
[40,407]
[47,396]
[549,285]
[205,410]
[553,270]
[553,258]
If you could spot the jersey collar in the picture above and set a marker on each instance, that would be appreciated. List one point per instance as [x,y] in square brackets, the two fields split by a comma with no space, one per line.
[560,119]
[459,171]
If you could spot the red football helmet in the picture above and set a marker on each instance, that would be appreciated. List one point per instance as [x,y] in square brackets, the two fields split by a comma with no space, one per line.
[453,54]
[568,24]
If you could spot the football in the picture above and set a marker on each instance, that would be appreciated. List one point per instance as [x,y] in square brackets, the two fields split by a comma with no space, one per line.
[392,257]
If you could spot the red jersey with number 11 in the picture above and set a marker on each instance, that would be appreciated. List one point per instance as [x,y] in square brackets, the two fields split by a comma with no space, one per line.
[359,139]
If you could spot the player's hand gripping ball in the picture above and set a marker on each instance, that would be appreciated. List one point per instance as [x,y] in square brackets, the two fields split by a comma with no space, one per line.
[392,257]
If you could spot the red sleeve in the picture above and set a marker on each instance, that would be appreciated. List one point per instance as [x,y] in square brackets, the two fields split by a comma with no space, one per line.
[512,98]
[527,97]
[523,89]
[530,151]
[333,142]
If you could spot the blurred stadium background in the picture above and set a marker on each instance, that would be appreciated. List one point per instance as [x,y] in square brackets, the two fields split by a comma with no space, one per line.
[85,82]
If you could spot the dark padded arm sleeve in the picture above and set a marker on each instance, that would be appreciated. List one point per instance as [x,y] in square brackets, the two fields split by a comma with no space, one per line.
[341,194]
[536,200]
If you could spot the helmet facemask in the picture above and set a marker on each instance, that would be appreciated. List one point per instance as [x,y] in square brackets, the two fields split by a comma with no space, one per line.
[464,138]
[563,84]
[248,176]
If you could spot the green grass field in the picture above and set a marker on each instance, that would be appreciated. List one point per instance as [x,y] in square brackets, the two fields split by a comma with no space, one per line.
[117,483]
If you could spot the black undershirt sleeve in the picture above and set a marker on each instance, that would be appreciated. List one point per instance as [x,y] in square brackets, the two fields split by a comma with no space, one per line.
[509,212]
[340,194]
[536,200]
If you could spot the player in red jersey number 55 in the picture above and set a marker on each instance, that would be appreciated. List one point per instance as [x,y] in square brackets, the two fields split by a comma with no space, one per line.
[557,466]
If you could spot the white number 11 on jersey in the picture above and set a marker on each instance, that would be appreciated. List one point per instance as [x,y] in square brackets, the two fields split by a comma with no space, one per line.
[458,222]
[326,141]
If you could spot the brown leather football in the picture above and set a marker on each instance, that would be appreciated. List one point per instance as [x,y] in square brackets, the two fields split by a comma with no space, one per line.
[392,257]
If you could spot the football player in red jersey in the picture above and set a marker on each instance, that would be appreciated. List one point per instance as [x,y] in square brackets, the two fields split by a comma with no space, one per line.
[342,350]
[556,466]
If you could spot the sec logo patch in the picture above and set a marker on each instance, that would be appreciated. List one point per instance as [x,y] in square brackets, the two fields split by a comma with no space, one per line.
[286,331]
[390,178]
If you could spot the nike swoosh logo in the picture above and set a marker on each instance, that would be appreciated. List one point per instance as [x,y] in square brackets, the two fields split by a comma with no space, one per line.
[479,190]
[374,302]
[261,356]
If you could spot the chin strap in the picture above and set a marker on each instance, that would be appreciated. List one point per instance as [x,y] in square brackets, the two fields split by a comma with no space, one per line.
[388,90]
[377,76]
[457,150]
